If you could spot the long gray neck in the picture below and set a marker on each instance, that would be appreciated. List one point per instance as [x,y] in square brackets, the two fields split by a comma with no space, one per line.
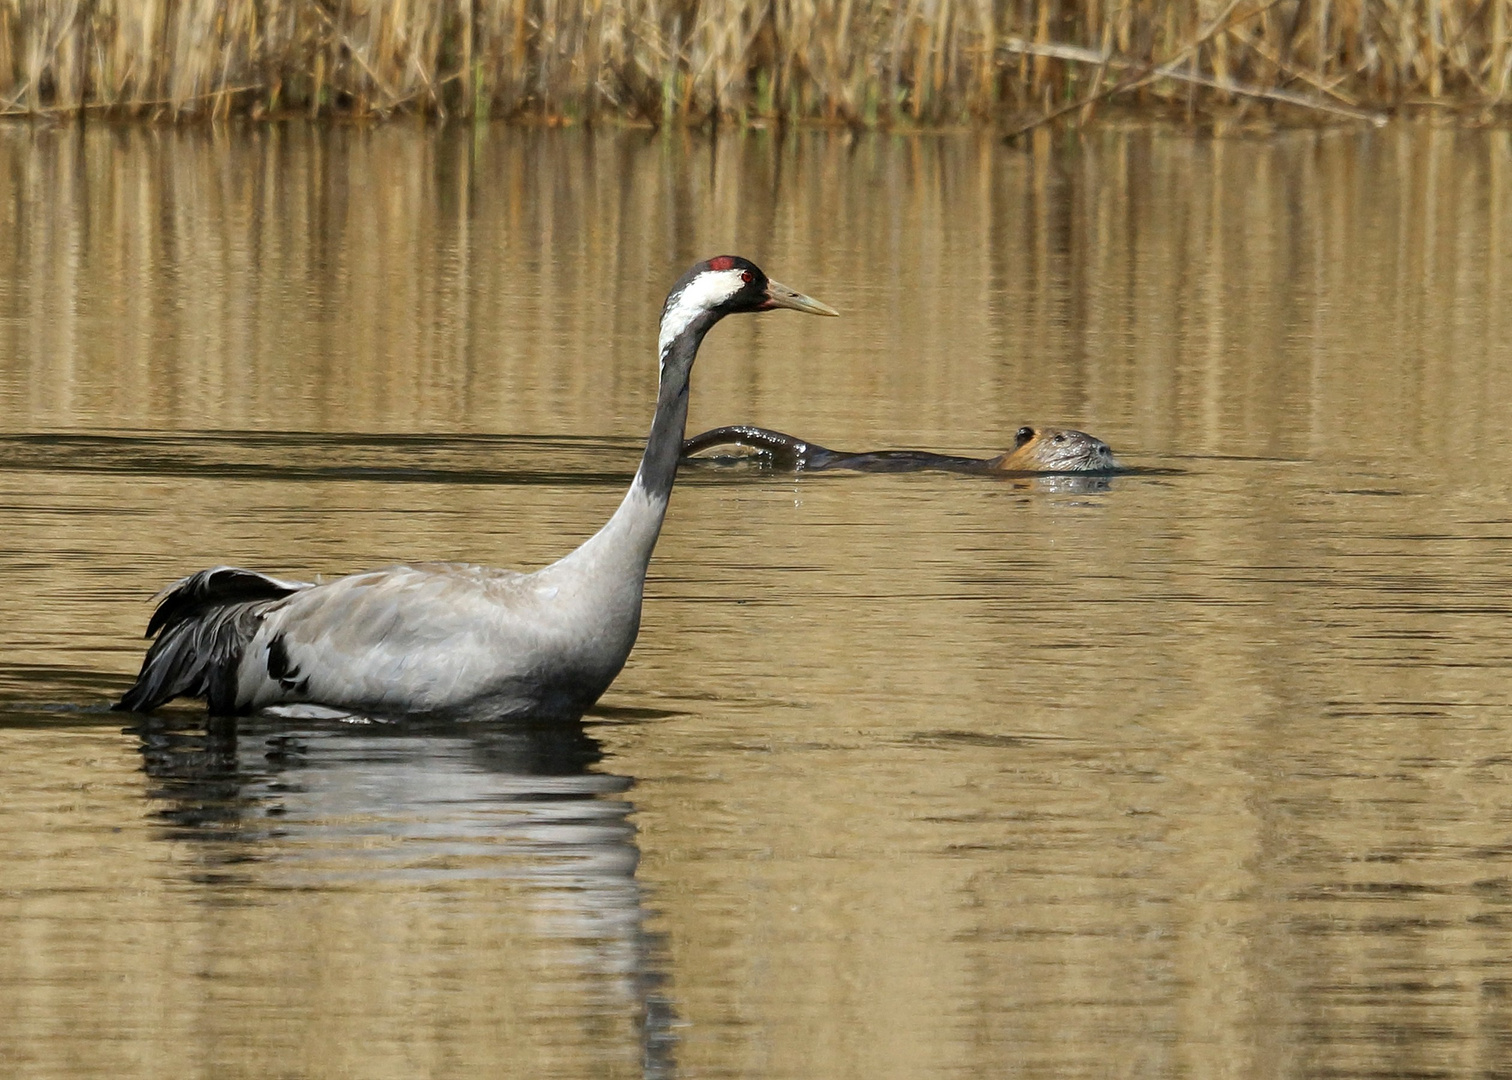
[627,538]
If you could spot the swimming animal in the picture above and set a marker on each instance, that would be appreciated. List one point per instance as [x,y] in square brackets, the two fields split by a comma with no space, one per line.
[453,640]
[1035,450]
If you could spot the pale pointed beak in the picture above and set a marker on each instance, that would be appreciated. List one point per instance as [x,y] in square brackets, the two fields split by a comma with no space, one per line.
[779,295]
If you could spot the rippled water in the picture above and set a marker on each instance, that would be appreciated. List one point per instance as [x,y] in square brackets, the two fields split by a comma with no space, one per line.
[1199,772]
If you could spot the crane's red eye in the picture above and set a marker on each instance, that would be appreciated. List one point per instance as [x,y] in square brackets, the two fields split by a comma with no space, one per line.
[745,276]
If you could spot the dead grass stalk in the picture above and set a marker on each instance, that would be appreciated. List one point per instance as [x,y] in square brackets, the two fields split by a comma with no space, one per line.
[855,62]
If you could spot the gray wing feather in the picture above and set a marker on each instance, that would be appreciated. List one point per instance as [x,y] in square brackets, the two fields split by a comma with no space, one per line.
[405,639]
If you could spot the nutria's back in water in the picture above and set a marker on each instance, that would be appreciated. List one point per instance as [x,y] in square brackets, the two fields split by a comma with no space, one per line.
[1036,450]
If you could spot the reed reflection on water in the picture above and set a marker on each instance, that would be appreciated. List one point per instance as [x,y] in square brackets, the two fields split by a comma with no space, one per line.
[1196,771]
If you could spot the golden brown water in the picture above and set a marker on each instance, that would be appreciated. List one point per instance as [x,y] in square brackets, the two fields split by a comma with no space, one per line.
[1203,772]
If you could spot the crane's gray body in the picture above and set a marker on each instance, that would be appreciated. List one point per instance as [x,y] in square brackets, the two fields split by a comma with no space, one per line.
[456,640]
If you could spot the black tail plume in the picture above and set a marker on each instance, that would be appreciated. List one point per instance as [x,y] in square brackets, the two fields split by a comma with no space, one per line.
[203,624]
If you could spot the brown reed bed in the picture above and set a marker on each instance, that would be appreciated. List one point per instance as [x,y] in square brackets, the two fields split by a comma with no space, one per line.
[863,63]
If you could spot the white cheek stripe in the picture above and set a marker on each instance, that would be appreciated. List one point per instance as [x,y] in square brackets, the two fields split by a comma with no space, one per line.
[708,289]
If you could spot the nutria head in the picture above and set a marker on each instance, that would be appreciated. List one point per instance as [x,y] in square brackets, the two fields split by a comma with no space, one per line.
[1051,449]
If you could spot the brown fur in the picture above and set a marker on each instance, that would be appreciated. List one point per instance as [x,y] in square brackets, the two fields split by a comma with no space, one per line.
[1052,449]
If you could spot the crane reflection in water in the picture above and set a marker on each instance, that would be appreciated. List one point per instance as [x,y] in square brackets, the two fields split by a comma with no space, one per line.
[505,811]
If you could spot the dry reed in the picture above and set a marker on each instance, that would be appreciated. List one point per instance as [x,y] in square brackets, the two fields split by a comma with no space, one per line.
[857,62]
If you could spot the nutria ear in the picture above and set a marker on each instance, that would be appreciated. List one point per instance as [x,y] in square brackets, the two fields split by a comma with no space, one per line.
[1023,435]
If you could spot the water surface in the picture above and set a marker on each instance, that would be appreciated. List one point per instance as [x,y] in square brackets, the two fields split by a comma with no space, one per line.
[1199,772]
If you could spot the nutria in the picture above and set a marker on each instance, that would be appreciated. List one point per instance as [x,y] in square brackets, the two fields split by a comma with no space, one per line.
[1035,450]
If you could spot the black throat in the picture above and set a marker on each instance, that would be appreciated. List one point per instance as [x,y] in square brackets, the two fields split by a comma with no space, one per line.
[658,468]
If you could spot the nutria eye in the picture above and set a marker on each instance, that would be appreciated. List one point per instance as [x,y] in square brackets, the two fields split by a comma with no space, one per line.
[1022,435]
[1059,438]
[745,276]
